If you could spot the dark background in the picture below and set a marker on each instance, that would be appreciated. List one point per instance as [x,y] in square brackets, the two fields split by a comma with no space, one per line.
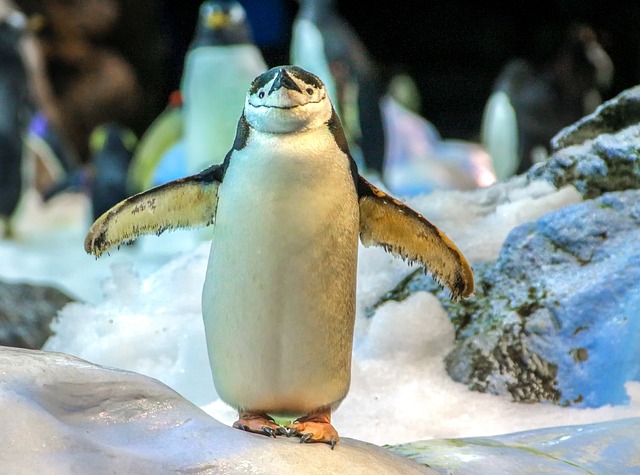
[453,50]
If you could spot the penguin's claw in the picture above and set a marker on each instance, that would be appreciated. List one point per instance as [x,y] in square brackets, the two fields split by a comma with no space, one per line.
[315,428]
[307,438]
[269,431]
[258,423]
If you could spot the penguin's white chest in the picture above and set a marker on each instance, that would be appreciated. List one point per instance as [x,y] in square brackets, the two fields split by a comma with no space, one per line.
[279,297]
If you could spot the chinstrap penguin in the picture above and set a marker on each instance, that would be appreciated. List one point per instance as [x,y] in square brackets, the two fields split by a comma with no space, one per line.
[279,295]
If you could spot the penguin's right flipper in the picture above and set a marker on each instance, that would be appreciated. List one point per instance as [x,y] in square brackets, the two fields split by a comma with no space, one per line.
[185,203]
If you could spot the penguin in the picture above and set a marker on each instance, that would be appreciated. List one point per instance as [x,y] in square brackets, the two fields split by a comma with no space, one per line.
[325,44]
[220,63]
[278,301]
[111,147]
[223,51]
[16,108]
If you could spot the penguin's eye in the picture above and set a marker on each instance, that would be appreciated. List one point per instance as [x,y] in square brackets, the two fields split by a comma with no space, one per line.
[261,94]
[309,91]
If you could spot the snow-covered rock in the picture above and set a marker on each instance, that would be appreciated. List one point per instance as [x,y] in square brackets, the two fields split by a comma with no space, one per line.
[62,415]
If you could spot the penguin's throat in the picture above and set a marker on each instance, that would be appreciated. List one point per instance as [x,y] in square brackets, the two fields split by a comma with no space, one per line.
[281,121]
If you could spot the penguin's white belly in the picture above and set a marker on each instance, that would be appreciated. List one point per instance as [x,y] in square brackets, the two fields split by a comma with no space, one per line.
[279,297]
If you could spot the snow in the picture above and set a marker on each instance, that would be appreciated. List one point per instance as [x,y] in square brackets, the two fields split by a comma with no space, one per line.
[139,310]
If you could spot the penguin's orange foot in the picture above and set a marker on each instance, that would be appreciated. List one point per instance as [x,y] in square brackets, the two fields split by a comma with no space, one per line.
[315,428]
[260,423]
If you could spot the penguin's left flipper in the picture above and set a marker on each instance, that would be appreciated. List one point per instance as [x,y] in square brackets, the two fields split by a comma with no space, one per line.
[184,203]
[386,222]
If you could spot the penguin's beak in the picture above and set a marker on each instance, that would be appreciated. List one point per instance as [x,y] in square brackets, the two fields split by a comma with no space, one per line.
[284,80]
[217,19]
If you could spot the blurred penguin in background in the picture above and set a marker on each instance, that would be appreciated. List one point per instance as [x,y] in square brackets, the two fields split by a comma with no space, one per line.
[16,108]
[325,44]
[198,126]
[111,148]
[220,64]
[530,104]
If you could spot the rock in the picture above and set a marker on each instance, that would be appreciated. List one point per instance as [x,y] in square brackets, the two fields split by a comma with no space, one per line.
[26,311]
[557,316]
[64,415]
[557,310]
[467,215]
[606,447]
[610,117]
[599,153]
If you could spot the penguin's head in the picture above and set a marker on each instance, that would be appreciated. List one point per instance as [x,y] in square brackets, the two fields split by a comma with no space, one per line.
[221,23]
[221,14]
[287,99]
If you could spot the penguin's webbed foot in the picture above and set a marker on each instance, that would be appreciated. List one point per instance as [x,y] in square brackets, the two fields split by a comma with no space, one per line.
[259,423]
[315,428]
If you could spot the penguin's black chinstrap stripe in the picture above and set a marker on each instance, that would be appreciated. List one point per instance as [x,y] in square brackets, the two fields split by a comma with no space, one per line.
[288,107]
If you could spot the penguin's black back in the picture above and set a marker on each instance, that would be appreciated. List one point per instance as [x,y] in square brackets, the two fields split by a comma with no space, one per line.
[15,111]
